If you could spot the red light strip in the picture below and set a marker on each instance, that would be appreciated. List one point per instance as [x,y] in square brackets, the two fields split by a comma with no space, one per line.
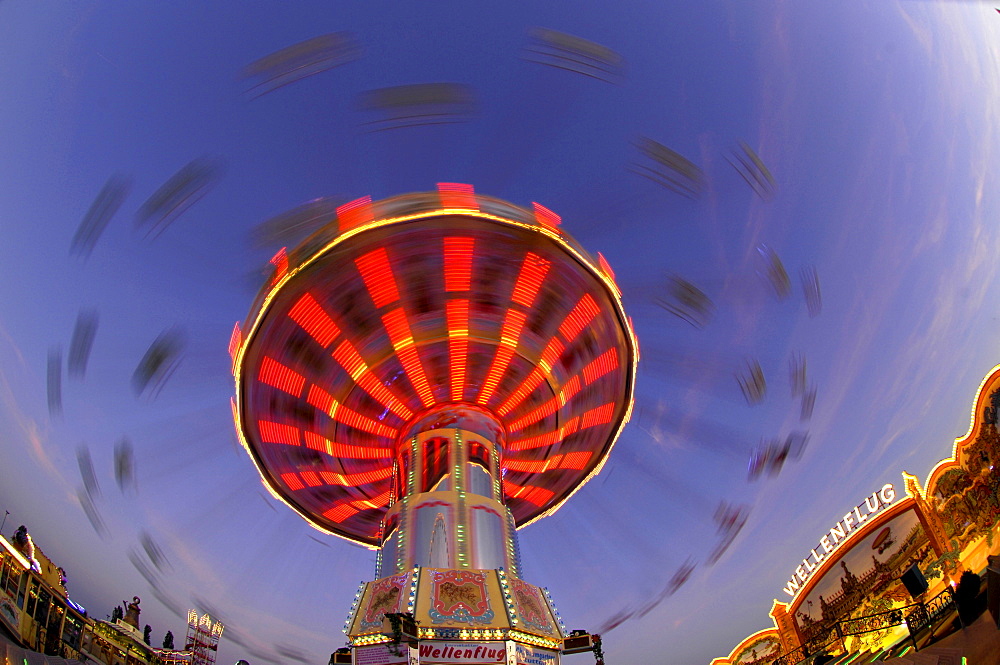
[510,489]
[510,334]
[549,357]
[351,361]
[513,325]
[329,478]
[597,416]
[324,401]
[278,376]
[540,441]
[571,388]
[538,496]
[529,280]
[354,479]
[594,370]
[532,466]
[357,421]
[547,439]
[568,391]
[235,340]
[292,481]
[546,217]
[342,511]
[457,195]
[600,365]
[312,318]
[355,213]
[458,254]
[278,433]
[576,461]
[551,354]
[500,363]
[579,318]
[280,262]
[402,341]
[544,410]
[457,317]
[343,450]
[377,273]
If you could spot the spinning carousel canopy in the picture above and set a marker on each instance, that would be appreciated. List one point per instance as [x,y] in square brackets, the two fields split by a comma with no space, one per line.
[402,306]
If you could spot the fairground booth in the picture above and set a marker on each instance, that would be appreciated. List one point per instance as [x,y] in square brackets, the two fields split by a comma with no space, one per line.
[885,574]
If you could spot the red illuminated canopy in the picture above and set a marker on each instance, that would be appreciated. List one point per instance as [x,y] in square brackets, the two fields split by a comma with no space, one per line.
[423,300]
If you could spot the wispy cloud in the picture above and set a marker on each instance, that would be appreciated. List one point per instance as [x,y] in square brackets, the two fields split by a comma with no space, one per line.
[31,433]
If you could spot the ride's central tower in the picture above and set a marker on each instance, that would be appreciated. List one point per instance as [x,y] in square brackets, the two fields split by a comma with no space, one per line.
[451,512]
[425,375]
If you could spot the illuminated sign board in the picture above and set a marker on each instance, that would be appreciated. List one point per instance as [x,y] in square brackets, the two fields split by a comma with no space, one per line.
[522,654]
[381,655]
[838,535]
[462,652]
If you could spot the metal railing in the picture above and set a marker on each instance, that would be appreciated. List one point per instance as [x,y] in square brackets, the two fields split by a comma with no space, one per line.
[873,622]
[917,617]
[924,615]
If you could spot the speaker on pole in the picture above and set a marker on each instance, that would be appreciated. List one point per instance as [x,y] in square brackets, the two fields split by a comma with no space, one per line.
[914,581]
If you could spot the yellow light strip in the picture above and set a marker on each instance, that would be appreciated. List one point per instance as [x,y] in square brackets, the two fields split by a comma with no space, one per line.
[14,553]
[992,377]
[535,640]
[750,639]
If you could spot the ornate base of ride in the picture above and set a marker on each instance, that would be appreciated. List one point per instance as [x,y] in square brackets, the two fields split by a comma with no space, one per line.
[439,604]
[454,616]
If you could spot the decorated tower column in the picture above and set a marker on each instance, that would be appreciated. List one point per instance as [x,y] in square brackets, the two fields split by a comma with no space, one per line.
[423,376]
[928,516]
[447,473]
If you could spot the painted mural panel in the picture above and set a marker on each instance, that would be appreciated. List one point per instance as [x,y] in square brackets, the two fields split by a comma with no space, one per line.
[760,651]
[966,496]
[865,579]
[384,596]
[462,599]
[532,608]
[460,596]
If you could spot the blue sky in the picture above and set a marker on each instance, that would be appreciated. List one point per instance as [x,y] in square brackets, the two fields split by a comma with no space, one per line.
[879,121]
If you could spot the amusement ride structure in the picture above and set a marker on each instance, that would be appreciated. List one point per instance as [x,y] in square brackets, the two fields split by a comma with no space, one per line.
[202,638]
[425,375]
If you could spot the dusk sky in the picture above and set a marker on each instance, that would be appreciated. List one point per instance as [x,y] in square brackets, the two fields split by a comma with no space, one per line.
[879,120]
